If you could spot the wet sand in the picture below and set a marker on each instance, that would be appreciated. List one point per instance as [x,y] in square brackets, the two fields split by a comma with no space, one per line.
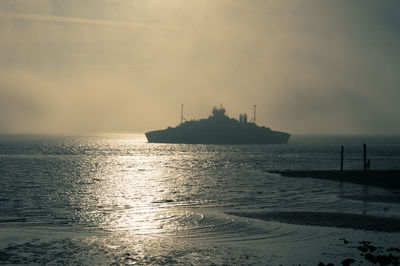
[327,219]
[380,178]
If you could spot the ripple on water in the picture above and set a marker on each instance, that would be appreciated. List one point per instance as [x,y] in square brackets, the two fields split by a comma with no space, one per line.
[209,225]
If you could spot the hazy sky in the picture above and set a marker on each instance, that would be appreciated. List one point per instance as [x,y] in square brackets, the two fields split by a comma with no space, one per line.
[79,66]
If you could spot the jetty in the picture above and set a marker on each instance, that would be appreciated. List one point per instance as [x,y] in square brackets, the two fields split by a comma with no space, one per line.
[380,178]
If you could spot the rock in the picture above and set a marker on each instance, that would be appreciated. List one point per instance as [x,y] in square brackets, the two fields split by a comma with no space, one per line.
[345,241]
[347,262]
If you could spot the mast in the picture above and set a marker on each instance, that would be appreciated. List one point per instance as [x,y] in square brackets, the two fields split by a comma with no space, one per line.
[254,117]
[182,117]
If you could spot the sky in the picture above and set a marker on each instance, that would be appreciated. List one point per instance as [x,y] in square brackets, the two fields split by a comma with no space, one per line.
[113,66]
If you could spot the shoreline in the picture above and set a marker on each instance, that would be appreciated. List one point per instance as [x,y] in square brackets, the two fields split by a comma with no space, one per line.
[379,178]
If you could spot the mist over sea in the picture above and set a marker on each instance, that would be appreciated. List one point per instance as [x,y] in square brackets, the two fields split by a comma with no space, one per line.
[116,199]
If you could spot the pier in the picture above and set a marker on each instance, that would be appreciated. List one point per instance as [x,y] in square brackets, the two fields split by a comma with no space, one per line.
[380,178]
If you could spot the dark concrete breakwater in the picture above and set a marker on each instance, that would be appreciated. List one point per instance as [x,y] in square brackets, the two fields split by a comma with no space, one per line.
[380,178]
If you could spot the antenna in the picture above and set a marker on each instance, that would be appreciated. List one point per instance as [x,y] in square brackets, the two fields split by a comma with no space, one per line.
[182,118]
[254,117]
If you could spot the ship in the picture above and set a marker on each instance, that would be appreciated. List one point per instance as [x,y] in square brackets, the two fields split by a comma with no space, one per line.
[218,128]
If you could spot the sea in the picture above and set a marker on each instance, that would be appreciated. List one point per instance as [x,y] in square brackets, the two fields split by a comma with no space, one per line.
[118,200]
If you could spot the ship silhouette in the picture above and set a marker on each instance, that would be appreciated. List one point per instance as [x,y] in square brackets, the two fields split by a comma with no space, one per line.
[218,128]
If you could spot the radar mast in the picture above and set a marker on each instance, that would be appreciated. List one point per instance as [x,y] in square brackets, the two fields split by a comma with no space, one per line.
[182,117]
[254,115]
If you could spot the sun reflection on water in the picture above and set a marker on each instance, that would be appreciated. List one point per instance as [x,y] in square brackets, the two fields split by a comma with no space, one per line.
[131,192]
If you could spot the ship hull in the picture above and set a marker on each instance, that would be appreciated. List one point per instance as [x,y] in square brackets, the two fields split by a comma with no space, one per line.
[197,137]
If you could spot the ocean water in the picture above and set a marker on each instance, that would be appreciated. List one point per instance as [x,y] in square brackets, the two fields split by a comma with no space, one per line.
[115,199]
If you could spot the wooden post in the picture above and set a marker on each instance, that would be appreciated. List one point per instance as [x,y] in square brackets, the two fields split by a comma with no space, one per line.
[341,158]
[365,164]
[341,163]
[365,156]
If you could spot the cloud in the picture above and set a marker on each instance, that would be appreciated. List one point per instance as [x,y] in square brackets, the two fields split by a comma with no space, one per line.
[63,19]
